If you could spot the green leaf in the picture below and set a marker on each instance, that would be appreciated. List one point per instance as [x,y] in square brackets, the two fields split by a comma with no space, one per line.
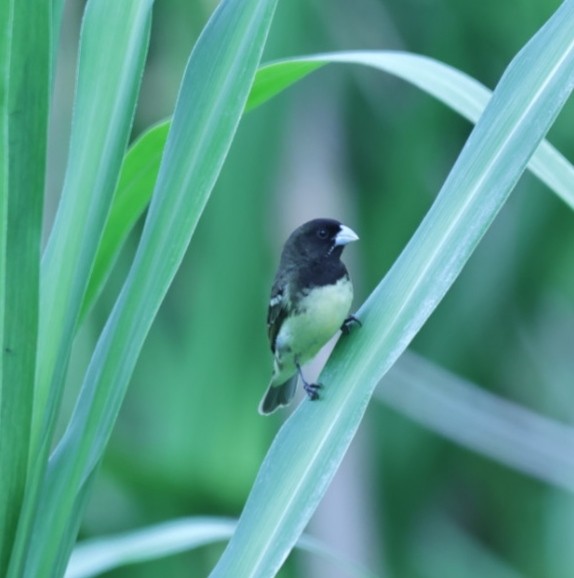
[456,89]
[137,180]
[274,78]
[112,51]
[99,555]
[466,414]
[310,446]
[24,88]
[212,97]
[109,75]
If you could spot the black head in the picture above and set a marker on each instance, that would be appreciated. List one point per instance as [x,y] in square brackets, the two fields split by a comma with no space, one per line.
[319,239]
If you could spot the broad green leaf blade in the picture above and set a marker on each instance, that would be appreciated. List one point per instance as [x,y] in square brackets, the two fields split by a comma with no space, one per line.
[99,555]
[452,87]
[137,180]
[480,420]
[310,446]
[24,88]
[211,100]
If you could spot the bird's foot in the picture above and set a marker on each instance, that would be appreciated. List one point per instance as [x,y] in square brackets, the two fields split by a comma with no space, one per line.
[349,323]
[312,390]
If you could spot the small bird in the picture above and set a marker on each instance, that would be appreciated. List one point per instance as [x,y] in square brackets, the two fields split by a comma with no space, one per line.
[310,300]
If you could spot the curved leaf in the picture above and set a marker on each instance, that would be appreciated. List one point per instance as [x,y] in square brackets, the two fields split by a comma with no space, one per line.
[100,555]
[477,419]
[454,88]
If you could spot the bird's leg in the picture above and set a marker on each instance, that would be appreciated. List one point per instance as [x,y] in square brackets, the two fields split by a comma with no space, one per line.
[349,323]
[312,389]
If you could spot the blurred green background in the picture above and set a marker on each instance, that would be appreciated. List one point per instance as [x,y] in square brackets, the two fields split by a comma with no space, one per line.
[372,151]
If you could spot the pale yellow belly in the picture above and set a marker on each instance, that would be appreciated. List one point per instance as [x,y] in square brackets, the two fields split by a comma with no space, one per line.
[303,335]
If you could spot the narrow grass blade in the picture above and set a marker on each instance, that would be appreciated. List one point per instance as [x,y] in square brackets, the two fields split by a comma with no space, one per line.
[96,556]
[24,89]
[310,446]
[480,420]
[212,97]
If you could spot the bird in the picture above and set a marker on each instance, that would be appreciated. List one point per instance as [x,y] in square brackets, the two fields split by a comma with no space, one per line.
[310,301]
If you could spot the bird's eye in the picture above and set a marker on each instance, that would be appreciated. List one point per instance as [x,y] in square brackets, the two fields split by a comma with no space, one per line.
[322,233]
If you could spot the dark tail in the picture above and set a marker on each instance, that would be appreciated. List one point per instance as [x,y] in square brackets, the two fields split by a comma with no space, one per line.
[278,396]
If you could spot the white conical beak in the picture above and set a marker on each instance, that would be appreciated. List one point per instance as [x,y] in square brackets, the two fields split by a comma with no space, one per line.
[346,235]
